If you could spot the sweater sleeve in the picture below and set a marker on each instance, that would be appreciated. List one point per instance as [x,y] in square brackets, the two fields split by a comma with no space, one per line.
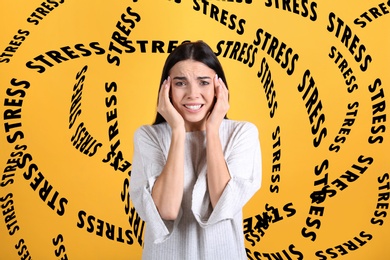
[148,163]
[243,159]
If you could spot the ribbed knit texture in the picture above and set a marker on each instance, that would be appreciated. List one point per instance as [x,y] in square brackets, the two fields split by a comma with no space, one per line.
[199,232]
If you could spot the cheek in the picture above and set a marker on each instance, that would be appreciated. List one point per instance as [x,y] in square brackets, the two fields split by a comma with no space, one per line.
[210,94]
[175,97]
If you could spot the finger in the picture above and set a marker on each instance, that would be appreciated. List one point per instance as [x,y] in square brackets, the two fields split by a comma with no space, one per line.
[223,85]
[168,84]
[221,90]
[167,90]
[223,95]
[162,87]
[226,95]
[216,83]
[217,87]
[164,90]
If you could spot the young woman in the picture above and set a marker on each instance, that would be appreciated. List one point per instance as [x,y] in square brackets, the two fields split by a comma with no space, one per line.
[193,169]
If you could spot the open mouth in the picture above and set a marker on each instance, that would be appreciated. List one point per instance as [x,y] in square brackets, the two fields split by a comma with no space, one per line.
[193,107]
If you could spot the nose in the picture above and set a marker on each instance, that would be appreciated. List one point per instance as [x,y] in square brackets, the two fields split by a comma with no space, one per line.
[193,91]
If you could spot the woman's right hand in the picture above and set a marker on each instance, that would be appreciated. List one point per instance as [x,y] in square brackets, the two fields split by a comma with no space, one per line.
[166,109]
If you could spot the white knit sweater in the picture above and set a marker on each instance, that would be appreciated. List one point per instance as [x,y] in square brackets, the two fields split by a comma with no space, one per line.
[199,232]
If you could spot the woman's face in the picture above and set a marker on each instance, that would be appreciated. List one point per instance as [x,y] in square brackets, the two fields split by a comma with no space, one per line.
[192,92]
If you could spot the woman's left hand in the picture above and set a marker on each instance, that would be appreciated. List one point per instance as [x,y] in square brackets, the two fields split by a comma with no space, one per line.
[221,105]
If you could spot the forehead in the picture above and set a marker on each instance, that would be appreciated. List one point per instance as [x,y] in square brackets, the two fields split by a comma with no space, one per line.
[191,68]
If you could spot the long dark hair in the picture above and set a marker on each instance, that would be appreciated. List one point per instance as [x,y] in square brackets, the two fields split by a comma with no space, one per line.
[197,51]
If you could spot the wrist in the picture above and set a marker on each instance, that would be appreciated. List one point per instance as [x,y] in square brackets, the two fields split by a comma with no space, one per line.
[212,126]
[212,132]
[178,130]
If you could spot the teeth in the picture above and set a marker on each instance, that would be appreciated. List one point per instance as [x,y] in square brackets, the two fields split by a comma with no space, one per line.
[194,107]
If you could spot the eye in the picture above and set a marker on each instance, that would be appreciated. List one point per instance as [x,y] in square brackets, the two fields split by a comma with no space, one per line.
[179,83]
[204,83]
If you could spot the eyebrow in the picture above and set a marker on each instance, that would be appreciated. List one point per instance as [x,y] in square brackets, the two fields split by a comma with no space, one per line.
[185,78]
[180,78]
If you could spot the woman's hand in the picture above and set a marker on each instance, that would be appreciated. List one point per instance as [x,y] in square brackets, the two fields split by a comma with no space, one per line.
[217,173]
[168,189]
[221,105]
[166,109]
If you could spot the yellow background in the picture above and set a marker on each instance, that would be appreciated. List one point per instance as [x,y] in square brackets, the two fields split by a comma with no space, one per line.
[95,187]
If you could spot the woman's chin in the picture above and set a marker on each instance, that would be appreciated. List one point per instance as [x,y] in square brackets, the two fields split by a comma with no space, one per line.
[195,124]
